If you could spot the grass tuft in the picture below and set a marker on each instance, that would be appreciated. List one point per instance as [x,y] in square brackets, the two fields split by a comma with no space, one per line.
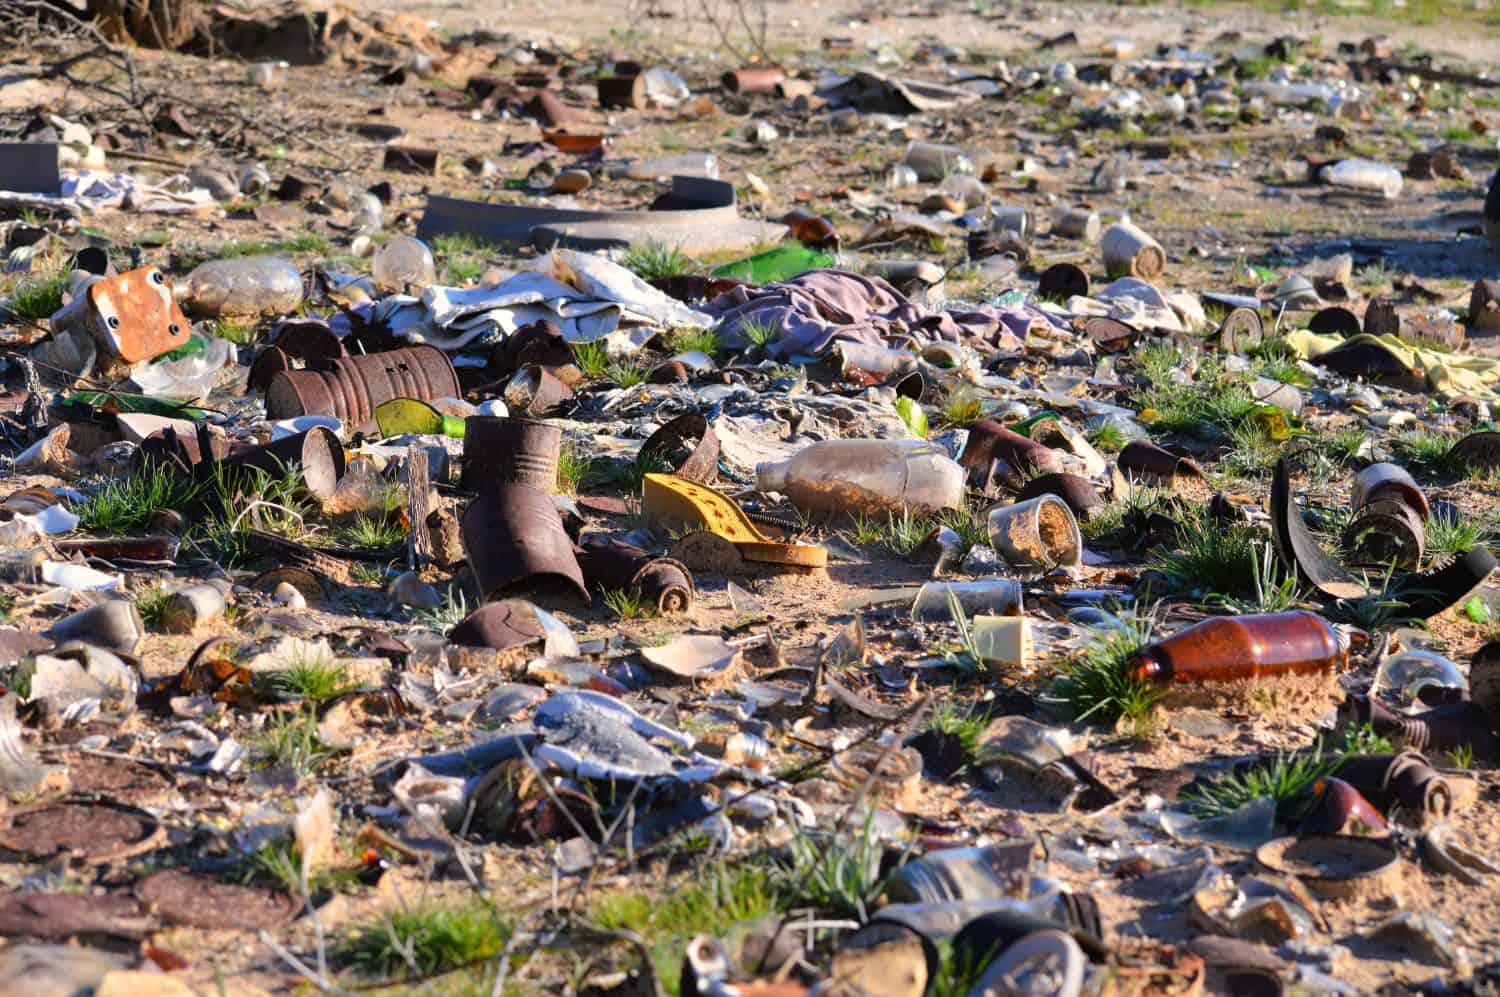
[314,681]
[689,340]
[1097,686]
[1210,557]
[125,505]
[1283,779]
[1449,533]
[626,375]
[591,359]
[429,939]
[758,332]
[454,610]
[34,300]
[1426,452]
[238,333]
[574,470]
[838,873]
[1108,438]
[718,897]
[1274,588]
[651,260]
[371,533]
[290,740]
[626,604]
[152,605]
[960,721]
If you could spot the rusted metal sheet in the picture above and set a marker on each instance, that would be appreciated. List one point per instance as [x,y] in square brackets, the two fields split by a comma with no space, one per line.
[135,317]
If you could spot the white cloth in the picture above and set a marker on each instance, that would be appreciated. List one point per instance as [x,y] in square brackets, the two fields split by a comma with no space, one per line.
[589,297]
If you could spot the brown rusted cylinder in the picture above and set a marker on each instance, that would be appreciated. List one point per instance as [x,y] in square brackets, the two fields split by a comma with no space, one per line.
[1240,331]
[989,441]
[1383,481]
[1079,493]
[310,340]
[1064,280]
[622,92]
[267,364]
[752,79]
[1385,532]
[688,446]
[1225,649]
[1110,335]
[354,386]
[548,108]
[1381,318]
[1130,252]
[1078,223]
[1143,457]
[166,446]
[537,343]
[811,229]
[1440,730]
[1484,307]
[317,452]
[503,451]
[610,563]
[536,391]
[695,287]
[671,372]
[514,535]
[1334,320]
[1406,780]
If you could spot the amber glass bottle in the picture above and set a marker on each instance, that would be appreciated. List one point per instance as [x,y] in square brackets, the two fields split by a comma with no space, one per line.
[1226,648]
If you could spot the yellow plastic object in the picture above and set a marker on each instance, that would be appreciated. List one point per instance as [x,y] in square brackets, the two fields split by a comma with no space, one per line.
[412,415]
[668,497]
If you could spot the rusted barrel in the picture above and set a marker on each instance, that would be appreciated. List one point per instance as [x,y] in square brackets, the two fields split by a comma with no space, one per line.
[354,386]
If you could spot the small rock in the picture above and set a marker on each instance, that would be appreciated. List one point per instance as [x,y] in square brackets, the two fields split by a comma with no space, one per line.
[572,181]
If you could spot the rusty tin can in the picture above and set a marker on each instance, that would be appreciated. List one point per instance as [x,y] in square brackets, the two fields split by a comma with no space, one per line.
[513,534]
[500,450]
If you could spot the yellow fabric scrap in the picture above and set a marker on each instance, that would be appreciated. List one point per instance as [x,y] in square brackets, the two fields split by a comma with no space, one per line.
[1448,374]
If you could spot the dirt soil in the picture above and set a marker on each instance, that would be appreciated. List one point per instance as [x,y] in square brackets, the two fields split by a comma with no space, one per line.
[1231,202]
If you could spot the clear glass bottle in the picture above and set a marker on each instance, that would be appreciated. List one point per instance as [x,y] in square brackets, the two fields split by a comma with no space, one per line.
[867,477]
[933,162]
[404,264]
[254,285]
[693,164]
[1365,176]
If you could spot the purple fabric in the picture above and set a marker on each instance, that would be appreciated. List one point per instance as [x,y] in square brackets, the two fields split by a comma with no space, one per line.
[813,309]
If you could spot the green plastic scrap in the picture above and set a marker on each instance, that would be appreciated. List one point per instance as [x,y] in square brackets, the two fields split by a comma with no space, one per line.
[410,415]
[776,264]
[122,401]
[911,413]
